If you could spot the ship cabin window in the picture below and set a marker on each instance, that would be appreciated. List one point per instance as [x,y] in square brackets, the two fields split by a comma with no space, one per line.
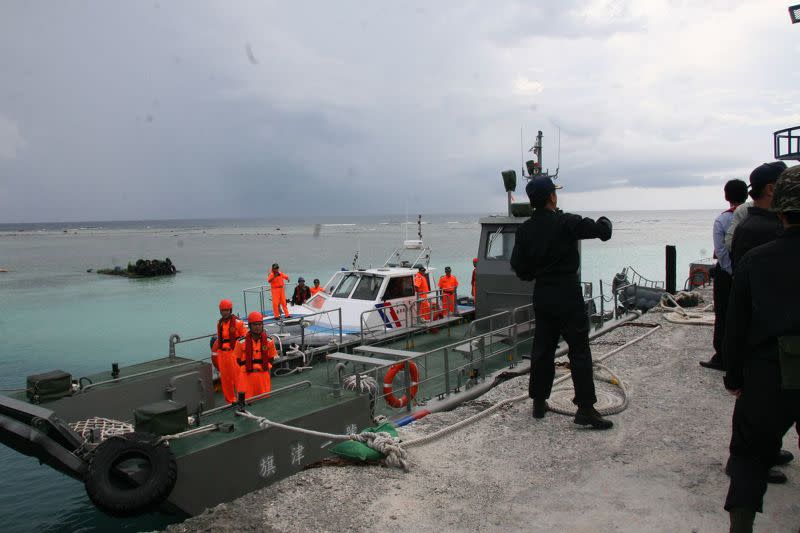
[500,243]
[368,287]
[345,287]
[401,287]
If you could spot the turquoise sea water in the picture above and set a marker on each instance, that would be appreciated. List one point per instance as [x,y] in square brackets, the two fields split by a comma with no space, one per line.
[53,314]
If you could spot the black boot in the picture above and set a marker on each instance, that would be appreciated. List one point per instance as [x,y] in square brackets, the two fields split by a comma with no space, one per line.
[539,408]
[774,476]
[588,416]
[714,363]
[784,456]
[742,520]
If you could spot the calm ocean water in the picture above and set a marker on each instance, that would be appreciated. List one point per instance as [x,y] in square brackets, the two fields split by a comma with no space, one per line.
[53,314]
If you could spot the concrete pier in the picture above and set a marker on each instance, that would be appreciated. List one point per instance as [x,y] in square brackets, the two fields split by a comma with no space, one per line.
[659,469]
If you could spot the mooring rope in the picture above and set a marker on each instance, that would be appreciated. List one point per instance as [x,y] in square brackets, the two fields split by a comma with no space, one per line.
[380,441]
[477,416]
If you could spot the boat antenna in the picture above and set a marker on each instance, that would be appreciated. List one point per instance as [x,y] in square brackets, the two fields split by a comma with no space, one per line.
[521,155]
[419,227]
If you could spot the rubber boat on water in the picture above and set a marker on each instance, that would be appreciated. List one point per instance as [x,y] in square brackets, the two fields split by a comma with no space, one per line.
[159,435]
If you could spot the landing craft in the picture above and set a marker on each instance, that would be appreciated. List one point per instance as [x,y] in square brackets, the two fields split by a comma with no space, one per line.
[159,435]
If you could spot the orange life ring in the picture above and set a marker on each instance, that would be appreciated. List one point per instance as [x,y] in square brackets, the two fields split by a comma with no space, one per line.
[389,378]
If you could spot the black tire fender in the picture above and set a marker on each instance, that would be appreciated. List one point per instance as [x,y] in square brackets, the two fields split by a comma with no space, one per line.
[149,475]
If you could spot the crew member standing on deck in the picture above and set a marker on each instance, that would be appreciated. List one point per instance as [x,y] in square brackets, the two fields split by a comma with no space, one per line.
[317,287]
[301,292]
[546,252]
[254,355]
[762,351]
[448,285]
[735,194]
[277,280]
[422,289]
[229,329]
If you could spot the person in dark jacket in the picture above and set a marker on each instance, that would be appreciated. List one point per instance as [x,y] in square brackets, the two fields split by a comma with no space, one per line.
[761,225]
[302,292]
[762,349]
[546,251]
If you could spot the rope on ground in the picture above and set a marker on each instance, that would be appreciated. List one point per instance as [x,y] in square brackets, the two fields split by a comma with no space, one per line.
[380,441]
[477,416]
[679,314]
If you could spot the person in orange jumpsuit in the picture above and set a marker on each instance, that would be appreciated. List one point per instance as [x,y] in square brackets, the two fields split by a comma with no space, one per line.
[229,329]
[254,355]
[421,287]
[277,280]
[448,285]
[474,284]
[317,288]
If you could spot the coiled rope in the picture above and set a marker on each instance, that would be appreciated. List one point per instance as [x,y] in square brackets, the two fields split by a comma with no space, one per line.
[679,314]
[486,412]
[380,441]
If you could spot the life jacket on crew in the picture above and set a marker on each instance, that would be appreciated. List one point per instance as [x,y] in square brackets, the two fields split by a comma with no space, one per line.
[301,295]
[315,290]
[254,358]
[226,340]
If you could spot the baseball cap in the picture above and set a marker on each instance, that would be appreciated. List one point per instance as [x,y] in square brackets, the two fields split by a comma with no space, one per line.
[301,279]
[540,187]
[766,173]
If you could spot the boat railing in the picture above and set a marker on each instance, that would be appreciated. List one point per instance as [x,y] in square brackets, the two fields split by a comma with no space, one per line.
[637,279]
[305,384]
[473,359]
[386,321]
[263,293]
[318,318]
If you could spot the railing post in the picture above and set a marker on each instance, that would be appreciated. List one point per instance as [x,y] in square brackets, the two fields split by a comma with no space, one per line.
[173,340]
[340,325]
[602,305]
[407,384]
[447,370]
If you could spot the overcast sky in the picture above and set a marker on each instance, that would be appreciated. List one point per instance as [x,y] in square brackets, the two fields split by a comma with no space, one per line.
[162,109]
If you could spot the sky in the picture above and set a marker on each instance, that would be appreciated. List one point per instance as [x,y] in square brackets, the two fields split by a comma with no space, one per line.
[118,110]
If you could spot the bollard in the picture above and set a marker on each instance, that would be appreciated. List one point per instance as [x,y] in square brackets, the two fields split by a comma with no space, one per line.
[670,268]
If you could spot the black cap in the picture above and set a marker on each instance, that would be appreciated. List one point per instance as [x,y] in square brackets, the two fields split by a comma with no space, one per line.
[447,269]
[766,174]
[275,265]
[301,280]
[540,187]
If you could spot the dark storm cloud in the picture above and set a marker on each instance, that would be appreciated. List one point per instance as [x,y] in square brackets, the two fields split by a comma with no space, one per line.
[120,110]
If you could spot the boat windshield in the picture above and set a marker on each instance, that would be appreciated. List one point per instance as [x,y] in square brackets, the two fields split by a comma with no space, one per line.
[368,287]
[345,287]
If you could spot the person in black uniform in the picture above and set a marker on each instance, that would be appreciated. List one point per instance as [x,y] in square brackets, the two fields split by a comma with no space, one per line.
[761,225]
[546,251]
[762,349]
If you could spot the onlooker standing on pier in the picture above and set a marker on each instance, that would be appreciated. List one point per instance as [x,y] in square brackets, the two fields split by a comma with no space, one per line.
[277,280]
[762,350]
[759,225]
[735,195]
[546,250]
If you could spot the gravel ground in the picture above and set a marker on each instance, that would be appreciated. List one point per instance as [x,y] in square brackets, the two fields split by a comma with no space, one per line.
[659,469]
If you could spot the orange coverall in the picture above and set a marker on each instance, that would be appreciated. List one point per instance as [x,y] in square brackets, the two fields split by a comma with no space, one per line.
[448,284]
[421,286]
[222,355]
[315,290]
[277,281]
[258,381]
